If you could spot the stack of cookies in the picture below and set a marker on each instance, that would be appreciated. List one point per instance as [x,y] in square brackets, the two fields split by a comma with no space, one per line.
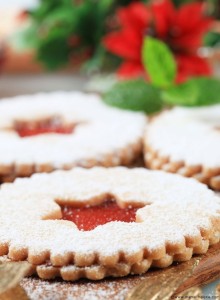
[88,213]
[186,141]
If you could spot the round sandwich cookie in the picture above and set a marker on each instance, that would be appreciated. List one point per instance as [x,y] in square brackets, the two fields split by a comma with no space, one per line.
[99,222]
[186,141]
[61,130]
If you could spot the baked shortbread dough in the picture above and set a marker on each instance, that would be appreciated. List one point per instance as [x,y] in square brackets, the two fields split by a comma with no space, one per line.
[176,217]
[44,132]
[186,141]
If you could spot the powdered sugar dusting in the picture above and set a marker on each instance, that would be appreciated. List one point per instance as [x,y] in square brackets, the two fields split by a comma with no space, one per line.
[187,134]
[175,207]
[112,289]
[101,130]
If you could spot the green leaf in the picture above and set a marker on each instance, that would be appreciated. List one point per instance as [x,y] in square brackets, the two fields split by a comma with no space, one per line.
[159,62]
[105,5]
[95,63]
[54,50]
[59,17]
[212,39]
[195,92]
[183,94]
[24,38]
[134,95]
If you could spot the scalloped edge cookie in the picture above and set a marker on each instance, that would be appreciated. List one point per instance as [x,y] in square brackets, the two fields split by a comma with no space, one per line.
[179,217]
[208,176]
[187,142]
[102,135]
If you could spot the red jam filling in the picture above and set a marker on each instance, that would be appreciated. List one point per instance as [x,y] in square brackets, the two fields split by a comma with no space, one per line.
[88,218]
[25,131]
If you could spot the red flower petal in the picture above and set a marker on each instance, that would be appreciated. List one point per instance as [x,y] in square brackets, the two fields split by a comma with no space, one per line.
[124,43]
[128,40]
[163,14]
[189,26]
[181,29]
[191,40]
[190,15]
[134,15]
[191,65]
[131,69]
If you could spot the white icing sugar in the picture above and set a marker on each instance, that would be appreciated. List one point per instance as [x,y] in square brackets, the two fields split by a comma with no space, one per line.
[101,130]
[173,208]
[46,290]
[191,135]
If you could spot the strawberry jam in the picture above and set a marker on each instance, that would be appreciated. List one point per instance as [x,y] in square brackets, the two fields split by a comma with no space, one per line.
[25,132]
[49,126]
[89,217]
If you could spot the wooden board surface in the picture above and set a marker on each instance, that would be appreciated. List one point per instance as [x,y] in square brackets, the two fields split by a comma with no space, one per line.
[117,289]
[207,271]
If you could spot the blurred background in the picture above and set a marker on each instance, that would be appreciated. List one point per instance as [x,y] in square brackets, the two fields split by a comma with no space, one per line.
[57,44]
[20,71]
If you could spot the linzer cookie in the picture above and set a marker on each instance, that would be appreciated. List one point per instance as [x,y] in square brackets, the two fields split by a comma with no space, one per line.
[102,222]
[44,132]
[186,141]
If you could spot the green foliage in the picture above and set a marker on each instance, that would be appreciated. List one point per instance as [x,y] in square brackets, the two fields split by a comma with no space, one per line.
[55,23]
[211,3]
[184,94]
[195,92]
[24,38]
[181,2]
[137,95]
[53,47]
[159,62]
[212,39]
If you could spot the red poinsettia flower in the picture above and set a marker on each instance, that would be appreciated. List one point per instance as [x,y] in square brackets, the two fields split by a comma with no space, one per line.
[181,29]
